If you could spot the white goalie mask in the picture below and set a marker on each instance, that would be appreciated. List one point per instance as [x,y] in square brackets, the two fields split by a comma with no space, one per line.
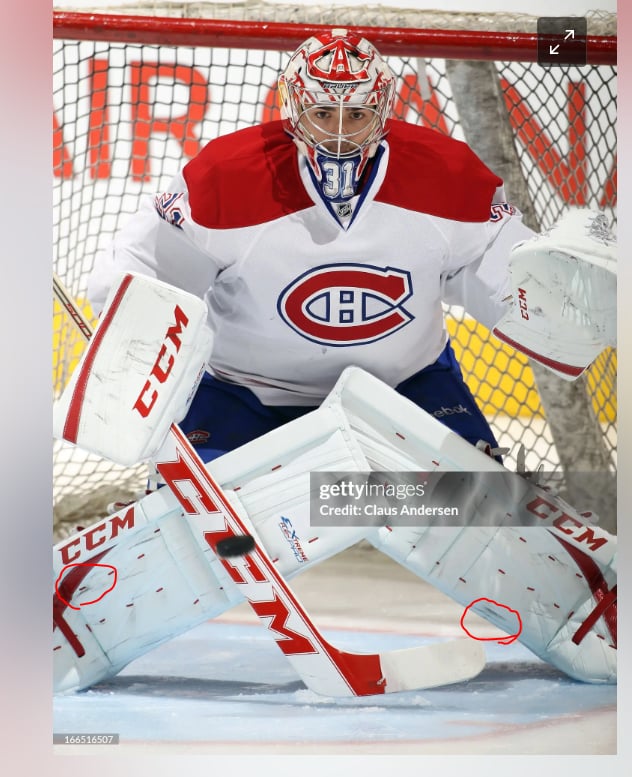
[336,96]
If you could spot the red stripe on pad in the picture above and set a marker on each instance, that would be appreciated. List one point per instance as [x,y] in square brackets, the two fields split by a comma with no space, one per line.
[606,598]
[73,418]
[566,369]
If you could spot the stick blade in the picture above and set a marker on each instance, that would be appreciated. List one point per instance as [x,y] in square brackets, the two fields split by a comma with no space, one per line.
[430,666]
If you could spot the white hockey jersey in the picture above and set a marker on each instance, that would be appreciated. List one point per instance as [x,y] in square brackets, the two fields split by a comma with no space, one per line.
[296,291]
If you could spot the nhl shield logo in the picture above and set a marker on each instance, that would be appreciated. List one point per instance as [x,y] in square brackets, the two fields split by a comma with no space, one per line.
[347,304]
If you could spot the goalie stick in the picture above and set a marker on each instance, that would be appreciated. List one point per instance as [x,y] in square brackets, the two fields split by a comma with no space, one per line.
[324,668]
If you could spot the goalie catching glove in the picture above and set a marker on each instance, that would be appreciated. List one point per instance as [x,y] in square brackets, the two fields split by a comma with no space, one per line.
[563,310]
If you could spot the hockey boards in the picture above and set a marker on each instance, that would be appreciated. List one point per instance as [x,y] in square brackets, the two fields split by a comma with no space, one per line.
[324,668]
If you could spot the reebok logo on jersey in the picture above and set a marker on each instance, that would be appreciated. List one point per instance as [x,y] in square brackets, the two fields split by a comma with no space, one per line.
[347,304]
[444,411]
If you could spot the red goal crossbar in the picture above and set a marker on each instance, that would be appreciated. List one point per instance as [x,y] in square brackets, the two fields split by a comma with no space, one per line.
[279,36]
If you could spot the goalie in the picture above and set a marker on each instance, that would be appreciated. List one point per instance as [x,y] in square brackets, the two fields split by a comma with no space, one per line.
[332,238]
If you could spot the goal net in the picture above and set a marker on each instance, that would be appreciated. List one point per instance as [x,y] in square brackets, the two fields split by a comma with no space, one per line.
[139,91]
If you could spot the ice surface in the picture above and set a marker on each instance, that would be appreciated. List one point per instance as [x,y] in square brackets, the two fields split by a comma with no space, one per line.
[226,687]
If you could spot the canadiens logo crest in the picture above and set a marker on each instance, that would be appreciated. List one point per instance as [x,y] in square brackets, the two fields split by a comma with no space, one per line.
[347,304]
[339,60]
[198,436]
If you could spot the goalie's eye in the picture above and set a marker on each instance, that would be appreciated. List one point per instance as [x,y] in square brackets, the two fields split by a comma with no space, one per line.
[323,114]
[351,118]
[359,114]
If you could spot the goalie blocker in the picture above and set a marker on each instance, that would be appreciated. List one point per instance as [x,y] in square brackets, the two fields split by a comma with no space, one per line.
[146,359]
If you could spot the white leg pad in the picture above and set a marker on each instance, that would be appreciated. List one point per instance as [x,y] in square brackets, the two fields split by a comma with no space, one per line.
[557,575]
[167,580]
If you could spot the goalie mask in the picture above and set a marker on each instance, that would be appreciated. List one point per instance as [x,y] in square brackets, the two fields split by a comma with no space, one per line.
[336,96]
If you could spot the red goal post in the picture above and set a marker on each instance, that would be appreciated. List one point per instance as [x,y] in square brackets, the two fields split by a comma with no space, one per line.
[136,96]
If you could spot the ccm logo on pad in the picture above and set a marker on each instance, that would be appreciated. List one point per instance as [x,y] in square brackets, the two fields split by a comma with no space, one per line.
[347,304]
[163,364]
[522,304]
